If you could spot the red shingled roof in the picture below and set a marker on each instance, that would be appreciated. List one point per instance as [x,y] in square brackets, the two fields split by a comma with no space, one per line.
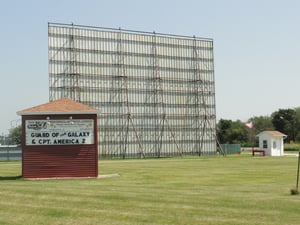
[60,106]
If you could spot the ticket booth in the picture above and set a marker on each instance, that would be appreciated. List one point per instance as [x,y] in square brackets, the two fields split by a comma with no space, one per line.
[272,142]
[59,140]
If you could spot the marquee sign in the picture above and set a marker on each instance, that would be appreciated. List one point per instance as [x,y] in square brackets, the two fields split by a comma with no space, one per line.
[59,132]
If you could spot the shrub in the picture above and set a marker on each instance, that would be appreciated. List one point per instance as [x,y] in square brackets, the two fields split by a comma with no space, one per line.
[294,191]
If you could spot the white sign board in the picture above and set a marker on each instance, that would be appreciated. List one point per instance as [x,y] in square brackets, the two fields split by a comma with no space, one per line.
[59,132]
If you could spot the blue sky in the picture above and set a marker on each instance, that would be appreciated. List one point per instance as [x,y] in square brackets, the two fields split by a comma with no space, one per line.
[256,47]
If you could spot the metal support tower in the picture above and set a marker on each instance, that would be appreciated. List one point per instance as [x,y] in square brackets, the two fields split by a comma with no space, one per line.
[158,123]
[120,101]
[70,76]
[201,89]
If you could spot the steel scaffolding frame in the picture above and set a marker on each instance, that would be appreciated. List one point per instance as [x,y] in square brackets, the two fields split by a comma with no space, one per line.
[155,91]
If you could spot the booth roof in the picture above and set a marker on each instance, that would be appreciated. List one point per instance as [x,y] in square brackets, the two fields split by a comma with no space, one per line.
[274,133]
[59,106]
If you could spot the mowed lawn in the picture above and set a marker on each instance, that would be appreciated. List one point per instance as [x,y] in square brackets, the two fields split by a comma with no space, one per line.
[201,190]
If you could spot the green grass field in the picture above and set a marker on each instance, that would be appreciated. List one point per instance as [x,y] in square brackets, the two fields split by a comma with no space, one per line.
[206,190]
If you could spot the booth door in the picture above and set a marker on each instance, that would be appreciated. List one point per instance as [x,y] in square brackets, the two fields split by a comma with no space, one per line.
[276,148]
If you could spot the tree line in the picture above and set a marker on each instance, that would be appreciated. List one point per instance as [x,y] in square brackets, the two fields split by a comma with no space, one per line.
[286,121]
[13,138]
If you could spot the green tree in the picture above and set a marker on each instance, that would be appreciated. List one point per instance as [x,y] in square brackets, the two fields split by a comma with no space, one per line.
[231,132]
[285,121]
[262,123]
[222,127]
[15,135]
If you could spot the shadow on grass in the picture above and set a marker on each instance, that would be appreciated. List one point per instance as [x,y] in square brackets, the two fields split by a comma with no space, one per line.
[10,177]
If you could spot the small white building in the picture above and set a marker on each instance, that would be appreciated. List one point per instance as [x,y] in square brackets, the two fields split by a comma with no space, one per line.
[272,142]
